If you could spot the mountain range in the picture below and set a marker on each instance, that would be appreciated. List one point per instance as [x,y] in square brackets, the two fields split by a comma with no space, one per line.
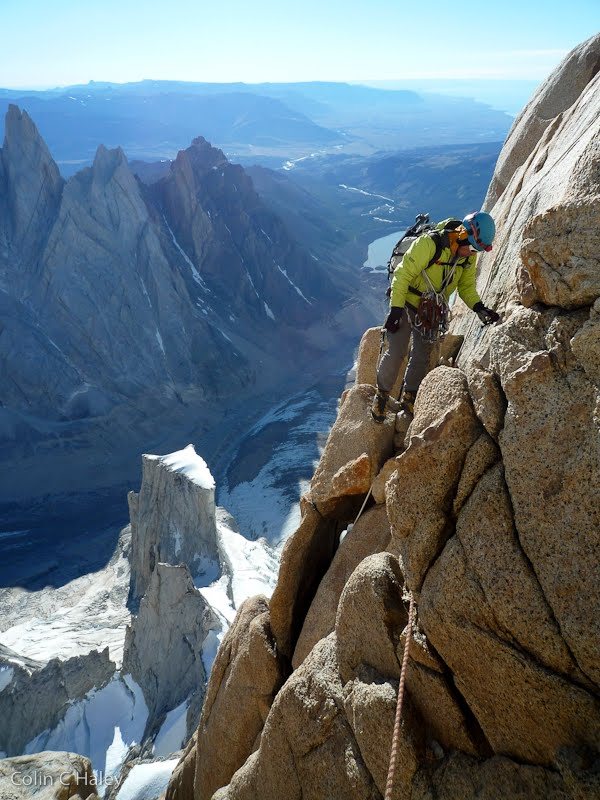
[132,312]
[268,122]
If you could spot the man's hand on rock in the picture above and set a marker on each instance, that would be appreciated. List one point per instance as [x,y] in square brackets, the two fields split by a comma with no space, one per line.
[487,315]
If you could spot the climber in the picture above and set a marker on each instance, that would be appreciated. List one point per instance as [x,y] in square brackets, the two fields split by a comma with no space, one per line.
[436,264]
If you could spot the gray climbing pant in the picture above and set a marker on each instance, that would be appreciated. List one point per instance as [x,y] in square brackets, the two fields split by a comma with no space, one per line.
[397,348]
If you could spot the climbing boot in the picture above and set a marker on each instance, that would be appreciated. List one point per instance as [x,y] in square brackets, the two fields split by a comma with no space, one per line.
[379,404]
[403,419]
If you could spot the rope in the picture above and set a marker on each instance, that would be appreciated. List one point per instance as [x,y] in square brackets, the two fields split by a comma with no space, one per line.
[396,737]
[362,508]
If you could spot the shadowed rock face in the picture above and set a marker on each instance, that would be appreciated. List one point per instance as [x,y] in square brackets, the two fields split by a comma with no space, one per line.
[122,304]
[37,694]
[494,515]
[163,645]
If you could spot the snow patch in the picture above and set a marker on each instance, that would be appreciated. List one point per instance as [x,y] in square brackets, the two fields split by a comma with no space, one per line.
[187,462]
[145,291]
[6,676]
[195,274]
[171,735]
[87,613]
[177,537]
[291,282]
[252,284]
[102,727]
[147,781]
[362,191]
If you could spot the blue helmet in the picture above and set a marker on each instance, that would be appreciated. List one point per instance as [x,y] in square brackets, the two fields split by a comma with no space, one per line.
[481,230]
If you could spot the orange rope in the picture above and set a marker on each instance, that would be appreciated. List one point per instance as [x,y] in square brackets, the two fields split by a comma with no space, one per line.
[396,737]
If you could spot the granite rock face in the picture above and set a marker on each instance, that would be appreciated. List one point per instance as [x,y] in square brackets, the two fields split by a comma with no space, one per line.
[163,645]
[47,776]
[245,678]
[494,518]
[172,517]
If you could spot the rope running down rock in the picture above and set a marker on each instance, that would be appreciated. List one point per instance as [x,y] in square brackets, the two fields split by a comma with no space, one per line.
[396,737]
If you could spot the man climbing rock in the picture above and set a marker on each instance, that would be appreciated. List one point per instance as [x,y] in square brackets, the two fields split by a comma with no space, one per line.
[436,264]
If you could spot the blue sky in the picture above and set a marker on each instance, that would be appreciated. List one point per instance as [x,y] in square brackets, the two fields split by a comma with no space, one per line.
[73,41]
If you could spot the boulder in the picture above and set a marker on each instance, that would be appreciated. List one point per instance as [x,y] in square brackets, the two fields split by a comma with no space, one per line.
[560,269]
[480,458]
[462,777]
[357,447]
[371,534]
[368,358]
[47,776]
[551,453]
[307,750]
[370,706]
[245,677]
[172,517]
[371,618]
[585,345]
[419,493]
[487,396]
[305,559]
[525,710]
[382,477]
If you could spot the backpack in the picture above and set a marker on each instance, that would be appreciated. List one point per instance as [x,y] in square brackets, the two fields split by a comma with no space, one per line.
[422,226]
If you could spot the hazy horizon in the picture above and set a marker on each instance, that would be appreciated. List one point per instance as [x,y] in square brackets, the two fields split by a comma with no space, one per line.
[279,41]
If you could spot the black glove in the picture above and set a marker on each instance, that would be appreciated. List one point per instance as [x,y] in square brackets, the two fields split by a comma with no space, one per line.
[393,320]
[487,315]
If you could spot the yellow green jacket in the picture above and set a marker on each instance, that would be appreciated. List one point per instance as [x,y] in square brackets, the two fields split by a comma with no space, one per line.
[408,273]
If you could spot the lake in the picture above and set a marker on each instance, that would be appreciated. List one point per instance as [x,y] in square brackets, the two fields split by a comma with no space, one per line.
[380,250]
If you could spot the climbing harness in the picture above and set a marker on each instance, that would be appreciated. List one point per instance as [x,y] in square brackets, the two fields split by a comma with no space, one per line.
[433,314]
[396,737]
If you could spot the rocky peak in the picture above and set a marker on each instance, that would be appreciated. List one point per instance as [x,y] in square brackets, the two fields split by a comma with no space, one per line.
[33,183]
[203,156]
[107,162]
[555,95]
[172,517]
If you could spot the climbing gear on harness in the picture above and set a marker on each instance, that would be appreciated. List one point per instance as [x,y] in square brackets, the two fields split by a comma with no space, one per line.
[379,404]
[394,318]
[434,315]
[487,315]
[481,230]
[389,786]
